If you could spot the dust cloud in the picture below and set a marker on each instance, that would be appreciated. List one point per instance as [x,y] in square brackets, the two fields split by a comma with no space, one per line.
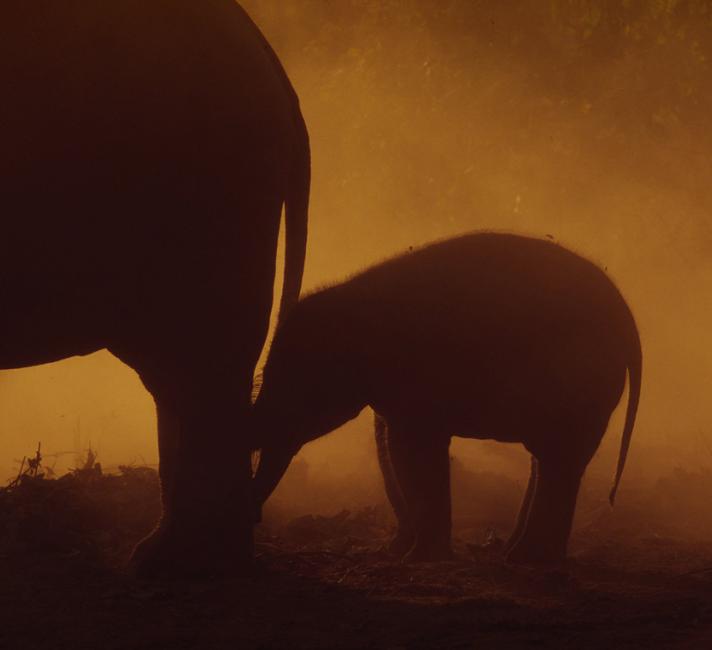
[579,120]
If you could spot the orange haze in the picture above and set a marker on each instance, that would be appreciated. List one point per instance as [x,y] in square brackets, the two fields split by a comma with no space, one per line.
[434,117]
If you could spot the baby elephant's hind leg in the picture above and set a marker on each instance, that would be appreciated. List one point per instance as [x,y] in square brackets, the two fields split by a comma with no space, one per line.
[548,526]
[523,515]
[404,539]
[421,463]
[559,470]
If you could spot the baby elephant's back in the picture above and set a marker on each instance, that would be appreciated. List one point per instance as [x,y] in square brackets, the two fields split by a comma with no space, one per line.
[503,311]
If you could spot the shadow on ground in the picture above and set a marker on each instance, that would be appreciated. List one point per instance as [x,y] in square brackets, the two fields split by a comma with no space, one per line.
[323,582]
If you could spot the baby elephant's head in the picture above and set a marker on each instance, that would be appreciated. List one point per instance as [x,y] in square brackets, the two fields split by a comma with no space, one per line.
[309,387]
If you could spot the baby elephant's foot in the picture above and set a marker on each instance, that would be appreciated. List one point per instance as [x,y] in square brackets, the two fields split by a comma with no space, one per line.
[429,553]
[400,544]
[535,555]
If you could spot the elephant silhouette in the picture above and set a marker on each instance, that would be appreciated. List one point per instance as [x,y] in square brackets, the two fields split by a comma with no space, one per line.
[485,335]
[148,147]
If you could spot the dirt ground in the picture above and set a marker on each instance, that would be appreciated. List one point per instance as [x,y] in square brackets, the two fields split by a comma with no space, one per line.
[323,582]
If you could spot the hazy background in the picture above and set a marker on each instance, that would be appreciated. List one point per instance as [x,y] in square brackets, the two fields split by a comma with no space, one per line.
[585,120]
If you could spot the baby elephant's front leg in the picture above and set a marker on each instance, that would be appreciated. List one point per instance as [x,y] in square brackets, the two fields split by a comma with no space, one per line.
[405,534]
[421,463]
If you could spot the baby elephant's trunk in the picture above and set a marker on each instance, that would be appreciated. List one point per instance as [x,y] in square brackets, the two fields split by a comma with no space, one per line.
[274,462]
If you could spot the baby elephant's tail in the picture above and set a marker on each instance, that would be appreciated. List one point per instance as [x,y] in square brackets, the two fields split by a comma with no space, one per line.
[635,367]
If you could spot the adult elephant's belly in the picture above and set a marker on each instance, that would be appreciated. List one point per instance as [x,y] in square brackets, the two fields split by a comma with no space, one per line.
[59,300]
[135,136]
[22,346]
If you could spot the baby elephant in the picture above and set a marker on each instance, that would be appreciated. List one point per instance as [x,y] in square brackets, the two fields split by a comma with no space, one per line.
[484,336]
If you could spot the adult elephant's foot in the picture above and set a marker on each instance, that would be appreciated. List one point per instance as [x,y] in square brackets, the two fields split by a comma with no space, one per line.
[151,557]
[172,555]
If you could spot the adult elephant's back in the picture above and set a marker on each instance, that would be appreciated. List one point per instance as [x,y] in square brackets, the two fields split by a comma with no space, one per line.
[147,148]
[134,134]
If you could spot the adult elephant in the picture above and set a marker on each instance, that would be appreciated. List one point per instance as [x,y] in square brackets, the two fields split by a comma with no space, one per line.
[147,148]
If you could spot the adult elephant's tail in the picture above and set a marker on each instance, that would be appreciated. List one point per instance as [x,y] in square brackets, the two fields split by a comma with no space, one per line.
[635,367]
[296,203]
[296,208]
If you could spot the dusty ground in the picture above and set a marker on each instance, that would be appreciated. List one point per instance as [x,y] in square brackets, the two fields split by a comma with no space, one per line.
[322,582]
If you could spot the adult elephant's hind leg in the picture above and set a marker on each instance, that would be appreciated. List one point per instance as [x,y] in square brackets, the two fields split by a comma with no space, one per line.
[168,423]
[205,474]
[195,351]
